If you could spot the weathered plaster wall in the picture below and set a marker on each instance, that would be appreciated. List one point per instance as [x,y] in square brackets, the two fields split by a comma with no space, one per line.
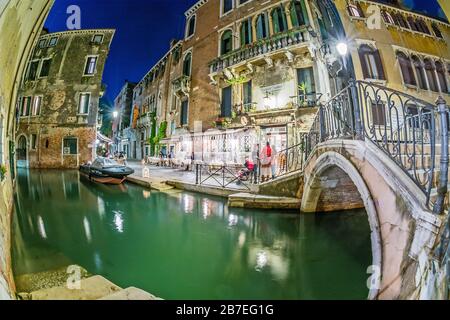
[20,23]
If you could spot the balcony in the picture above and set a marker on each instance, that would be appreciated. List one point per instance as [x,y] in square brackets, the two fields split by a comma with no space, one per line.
[261,48]
[182,86]
[144,121]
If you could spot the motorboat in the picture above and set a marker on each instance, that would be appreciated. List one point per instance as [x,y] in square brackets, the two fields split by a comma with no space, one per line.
[105,170]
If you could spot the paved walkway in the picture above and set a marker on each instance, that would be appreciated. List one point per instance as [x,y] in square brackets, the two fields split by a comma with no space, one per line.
[178,175]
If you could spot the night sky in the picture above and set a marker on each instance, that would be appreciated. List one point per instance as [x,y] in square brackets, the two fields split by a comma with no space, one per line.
[144,29]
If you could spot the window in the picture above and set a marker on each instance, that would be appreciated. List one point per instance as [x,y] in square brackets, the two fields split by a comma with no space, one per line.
[25,107]
[241,2]
[436,30]
[33,141]
[226,102]
[262,27]
[187,65]
[45,68]
[70,146]
[441,76]
[406,69]
[91,64]
[37,102]
[226,42]
[83,107]
[227,6]
[97,39]
[191,27]
[53,41]
[42,43]
[420,73]
[299,15]
[184,112]
[378,114]
[305,80]
[422,26]
[400,20]
[371,64]
[32,71]
[355,10]
[431,75]
[246,32]
[412,24]
[279,20]
[247,91]
[387,17]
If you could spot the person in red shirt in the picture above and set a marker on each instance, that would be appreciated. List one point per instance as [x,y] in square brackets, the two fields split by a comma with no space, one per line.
[266,162]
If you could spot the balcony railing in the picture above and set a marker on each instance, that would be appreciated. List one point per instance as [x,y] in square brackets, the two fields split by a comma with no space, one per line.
[307,100]
[182,85]
[279,41]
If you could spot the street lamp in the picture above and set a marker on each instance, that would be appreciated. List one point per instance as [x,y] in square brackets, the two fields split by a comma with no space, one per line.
[115,114]
[342,48]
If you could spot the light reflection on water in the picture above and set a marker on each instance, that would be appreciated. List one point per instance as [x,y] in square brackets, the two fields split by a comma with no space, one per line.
[188,246]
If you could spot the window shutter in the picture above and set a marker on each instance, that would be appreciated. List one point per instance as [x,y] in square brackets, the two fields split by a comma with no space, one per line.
[304,12]
[362,58]
[379,63]
[243,31]
[294,15]
[283,18]
[275,20]
[249,30]
[361,12]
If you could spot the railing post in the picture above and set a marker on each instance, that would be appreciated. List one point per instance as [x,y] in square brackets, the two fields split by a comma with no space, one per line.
[196,173]
[356,112]
[322,124]
[443,170]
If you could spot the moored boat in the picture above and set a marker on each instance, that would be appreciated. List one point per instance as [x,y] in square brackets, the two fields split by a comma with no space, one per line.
[107,171]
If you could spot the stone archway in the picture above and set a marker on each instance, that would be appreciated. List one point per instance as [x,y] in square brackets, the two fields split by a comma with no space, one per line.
[403,228]
[22,152]
[345,181]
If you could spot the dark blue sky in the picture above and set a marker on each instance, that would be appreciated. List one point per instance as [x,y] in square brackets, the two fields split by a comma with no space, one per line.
[144,29]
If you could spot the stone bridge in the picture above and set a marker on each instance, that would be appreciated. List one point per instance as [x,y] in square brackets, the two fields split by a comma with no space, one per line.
[347,174]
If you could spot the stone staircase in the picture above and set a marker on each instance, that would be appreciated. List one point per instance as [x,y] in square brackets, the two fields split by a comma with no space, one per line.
[52,285]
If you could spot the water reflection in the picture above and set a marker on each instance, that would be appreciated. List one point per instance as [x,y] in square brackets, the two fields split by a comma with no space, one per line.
[181,245]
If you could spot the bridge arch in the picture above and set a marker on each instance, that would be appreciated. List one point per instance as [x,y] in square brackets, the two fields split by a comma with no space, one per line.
[402,228]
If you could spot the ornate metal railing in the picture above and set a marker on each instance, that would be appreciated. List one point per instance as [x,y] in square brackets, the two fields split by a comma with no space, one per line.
[405,128]
[260,48]
[307,100]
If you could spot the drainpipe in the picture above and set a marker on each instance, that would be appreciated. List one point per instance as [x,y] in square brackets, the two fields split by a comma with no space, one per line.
[443,176]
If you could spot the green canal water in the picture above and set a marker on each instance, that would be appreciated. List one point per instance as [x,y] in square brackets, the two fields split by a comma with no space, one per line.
[181,245]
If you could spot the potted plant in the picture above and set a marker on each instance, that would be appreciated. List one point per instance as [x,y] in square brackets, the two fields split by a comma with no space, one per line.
[2,172]
[303,101]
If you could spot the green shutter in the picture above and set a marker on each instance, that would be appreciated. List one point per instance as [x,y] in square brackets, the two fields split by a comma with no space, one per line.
[283,18]
[259,27]
[275,20]
[294,15]
[243,27]
[304,12]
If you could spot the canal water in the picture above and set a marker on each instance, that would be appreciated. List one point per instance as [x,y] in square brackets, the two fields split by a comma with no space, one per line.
[180,245]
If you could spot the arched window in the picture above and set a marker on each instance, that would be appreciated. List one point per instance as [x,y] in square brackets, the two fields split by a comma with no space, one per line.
[246,32]
[441,76]
[262,27]
[436,30]
[400,20]
[355,10]
[422,26]
[371,63]
[406,68]
[420,72]
[187,65]
[279,20]
[190,27]
[299,15]
[412,24]
[226,42]
[387,17]
[431,75]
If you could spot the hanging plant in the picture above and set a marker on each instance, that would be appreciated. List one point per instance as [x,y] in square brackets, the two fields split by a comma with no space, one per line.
[239,80]
[2,172]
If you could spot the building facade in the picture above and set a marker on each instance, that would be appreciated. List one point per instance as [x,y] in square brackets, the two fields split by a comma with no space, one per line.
[58,103]
[123,104]
[251,71]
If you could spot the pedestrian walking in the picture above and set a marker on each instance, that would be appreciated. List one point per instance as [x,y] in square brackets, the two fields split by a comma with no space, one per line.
[266,162]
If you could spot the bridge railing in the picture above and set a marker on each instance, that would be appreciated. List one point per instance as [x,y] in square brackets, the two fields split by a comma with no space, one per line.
[405,128]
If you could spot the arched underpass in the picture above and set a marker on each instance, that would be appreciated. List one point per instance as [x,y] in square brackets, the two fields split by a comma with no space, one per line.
[346,174]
